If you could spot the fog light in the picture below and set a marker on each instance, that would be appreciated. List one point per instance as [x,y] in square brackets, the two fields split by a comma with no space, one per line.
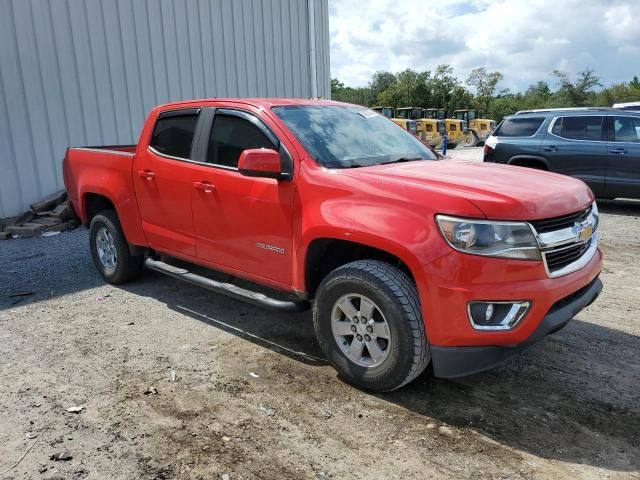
[496,315]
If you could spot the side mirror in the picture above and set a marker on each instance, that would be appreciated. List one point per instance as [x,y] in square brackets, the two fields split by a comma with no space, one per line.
[261,162]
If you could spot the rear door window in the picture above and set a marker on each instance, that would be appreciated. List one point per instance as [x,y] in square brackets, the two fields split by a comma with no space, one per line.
[626,129]
[579,128]
[173,133]
[519,127]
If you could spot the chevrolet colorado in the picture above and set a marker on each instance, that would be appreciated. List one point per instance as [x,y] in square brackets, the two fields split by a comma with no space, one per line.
[407,261]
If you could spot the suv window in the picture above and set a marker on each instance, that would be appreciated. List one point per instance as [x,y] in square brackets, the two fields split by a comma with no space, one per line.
[173,134]
[626,129]
[519,127]
[579,128]
[230,135]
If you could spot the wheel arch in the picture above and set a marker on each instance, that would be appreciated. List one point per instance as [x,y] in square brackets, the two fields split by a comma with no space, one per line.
[530,161]
[325,254]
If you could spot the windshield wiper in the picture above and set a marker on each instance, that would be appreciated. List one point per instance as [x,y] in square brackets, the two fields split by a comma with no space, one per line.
[403,159]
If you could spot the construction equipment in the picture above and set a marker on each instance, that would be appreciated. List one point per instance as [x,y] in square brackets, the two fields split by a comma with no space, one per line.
[399,118]
[428,130]
[456,129]
[386,111]
[478,128]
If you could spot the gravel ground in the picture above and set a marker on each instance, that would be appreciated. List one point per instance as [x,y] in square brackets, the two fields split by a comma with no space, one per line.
[242,391]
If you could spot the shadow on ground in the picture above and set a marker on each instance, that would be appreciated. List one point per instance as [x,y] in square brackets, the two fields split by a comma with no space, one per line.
[572,398]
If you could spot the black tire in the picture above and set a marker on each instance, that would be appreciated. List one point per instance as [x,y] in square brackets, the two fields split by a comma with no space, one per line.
[127,266]
[397,298]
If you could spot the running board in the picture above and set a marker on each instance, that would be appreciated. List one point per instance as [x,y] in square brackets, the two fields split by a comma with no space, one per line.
[227,289]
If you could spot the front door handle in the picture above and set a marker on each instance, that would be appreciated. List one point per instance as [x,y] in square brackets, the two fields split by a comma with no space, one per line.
[147,174]
[618,151]
[205,187]
[550,148]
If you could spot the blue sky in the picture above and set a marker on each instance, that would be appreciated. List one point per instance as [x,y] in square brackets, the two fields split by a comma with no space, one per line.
[525,40]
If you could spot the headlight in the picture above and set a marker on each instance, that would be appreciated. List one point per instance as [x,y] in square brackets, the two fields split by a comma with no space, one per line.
[490,238]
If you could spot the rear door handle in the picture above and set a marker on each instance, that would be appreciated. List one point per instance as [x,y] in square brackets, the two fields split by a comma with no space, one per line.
[550,148]
[618,151]
[148,174]
[205,187]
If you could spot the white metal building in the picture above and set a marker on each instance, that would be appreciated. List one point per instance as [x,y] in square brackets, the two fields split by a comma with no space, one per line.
[86,72]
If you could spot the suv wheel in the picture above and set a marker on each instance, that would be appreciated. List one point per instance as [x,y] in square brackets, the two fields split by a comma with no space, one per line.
[368,322]
[110,250]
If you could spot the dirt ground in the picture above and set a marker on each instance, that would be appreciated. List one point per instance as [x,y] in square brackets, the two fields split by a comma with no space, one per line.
[244,392]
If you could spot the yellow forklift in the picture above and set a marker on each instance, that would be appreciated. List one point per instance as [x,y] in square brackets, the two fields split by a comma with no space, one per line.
[456,129]
[479,128]
[405,122]
[428,130]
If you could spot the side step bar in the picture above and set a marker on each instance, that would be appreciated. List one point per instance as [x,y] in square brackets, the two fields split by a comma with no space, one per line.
[227,289]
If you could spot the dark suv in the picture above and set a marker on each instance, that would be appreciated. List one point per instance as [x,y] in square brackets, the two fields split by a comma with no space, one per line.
[600,146]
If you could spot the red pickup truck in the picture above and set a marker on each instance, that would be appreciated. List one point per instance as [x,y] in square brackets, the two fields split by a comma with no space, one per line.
[406,260]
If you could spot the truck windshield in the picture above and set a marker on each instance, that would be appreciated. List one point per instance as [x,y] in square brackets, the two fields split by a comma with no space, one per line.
[345,137]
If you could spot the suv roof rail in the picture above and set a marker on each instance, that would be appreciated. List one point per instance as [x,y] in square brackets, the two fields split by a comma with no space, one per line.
[626,105]
[565,109]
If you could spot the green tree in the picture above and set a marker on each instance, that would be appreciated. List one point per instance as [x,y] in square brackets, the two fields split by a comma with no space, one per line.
[486,84]
[578,93]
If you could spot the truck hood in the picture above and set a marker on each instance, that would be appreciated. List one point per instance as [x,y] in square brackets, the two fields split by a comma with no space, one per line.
[501,192]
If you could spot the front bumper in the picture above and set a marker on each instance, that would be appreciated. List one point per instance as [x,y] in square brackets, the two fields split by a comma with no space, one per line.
[452,362]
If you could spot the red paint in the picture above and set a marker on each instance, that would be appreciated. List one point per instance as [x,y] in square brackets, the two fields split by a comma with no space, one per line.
[219,218]
[259,160]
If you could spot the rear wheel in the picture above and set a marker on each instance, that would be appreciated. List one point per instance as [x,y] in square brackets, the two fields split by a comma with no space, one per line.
[368,322]
[110,250]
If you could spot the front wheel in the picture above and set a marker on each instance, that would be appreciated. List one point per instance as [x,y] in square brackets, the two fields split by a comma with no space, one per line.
[368,322]
[110,250]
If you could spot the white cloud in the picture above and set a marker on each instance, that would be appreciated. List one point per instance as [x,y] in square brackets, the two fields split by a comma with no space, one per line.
[524,39]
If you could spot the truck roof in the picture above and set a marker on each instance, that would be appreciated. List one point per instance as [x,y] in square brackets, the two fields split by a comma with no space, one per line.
[256,102]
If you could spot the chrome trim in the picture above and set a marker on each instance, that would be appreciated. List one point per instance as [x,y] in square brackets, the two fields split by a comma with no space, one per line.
[188,160]
[104,150]
[560,238]
[556,237]
[516,305]
[578,264]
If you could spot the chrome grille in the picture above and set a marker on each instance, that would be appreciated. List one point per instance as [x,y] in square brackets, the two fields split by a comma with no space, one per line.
[567,243]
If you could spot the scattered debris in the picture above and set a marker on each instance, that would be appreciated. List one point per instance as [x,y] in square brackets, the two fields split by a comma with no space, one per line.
[75,409]
[270,412]
[327,414]
[47,217]
[151,391]
[226,439]
[173,375]
[131,323]
[322,476]
[254,375]
[99,298]
[2,474]
[61,456]
[446,431]
[43,469]
[225,476]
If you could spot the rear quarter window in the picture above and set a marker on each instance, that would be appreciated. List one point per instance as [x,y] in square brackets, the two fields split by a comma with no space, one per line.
[519,127]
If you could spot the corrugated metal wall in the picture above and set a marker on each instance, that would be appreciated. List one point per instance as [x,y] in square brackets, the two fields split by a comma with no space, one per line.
[86,72]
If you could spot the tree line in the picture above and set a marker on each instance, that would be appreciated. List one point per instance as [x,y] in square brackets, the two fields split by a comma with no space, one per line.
[481,90]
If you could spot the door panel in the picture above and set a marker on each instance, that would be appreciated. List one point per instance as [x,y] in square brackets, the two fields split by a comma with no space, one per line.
[576,147]
[243,223]
[164,187]
[623,160]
